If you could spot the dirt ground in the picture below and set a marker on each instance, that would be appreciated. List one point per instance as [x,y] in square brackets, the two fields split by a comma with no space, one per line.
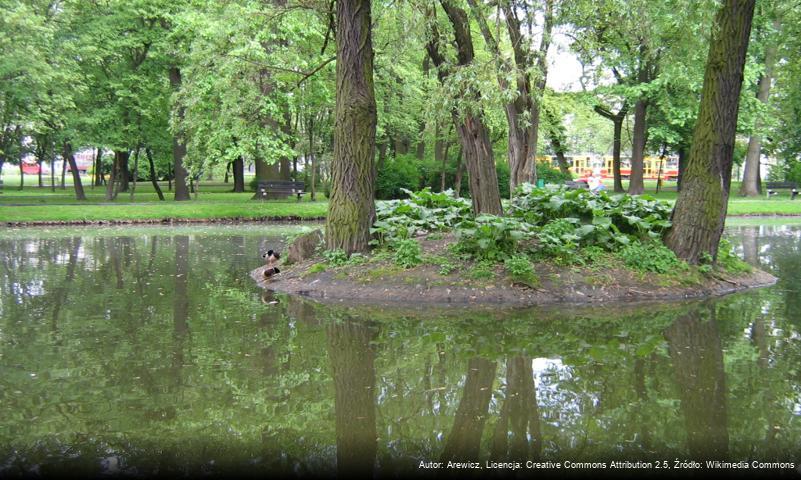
[381,282]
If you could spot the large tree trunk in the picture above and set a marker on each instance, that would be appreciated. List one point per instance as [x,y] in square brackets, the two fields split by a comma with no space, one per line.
[353,367]
[351,208]
[238,168]
[700,211]
[76,175]
[638,141]
[153,177]
[473,134]
[477,154]
[179,146]
[751,186]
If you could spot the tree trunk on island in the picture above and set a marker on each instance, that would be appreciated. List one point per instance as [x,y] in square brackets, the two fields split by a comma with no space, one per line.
[153,177]
[351,208]
[473,134]
[700,209]
[76,175]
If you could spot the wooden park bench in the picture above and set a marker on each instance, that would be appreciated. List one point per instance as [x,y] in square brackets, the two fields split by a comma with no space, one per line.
[267,189]
[772,187]
[574,185]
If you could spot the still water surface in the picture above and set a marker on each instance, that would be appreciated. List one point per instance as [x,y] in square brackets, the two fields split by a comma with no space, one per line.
[143,351]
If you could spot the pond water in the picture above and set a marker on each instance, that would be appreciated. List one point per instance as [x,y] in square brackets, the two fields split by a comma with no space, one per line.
[144,351]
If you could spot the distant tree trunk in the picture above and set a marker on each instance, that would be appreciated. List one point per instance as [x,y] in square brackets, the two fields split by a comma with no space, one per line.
[239,174]
[617,122]
[382,155]
[153,177]
[227,172]
[639,139]
[353,368]
[700,209]
[464,441]
[123,173]
[76,176]
[457,180]
[112,178]
[351,208]
[178,146]
[63,173]
[21,176]
[52,170]
[135,172]
[473,134]
[751,186]
[682,167]
[98,170]
[557,135]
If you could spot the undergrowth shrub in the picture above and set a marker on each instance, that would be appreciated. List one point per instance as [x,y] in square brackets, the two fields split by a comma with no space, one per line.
[489,237]
[604,219]
[423,212]
[407,253]
[650,257]
[521,270]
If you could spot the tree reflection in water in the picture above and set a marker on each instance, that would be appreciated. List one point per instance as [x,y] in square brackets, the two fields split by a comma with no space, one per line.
[188,368]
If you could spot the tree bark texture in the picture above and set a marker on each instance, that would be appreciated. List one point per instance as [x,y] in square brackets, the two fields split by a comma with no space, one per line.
[351,208]
[179,147]
[700,209]
[353,367]
[464,439]
[697,357]
[473,134]
[76,175]
[751,186]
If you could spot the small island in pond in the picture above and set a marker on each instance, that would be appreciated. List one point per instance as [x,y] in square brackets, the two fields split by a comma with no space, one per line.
[554,246]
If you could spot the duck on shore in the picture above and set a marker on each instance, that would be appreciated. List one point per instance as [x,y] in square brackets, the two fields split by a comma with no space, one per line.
[271,257]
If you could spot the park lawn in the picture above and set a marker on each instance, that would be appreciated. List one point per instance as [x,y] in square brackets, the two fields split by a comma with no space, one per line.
[209,210]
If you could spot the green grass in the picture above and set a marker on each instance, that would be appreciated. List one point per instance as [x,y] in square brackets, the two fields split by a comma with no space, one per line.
[216,202]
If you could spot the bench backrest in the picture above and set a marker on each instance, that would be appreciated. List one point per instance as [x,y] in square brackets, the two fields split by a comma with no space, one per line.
[284,185]
[577,185]
[781,185]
